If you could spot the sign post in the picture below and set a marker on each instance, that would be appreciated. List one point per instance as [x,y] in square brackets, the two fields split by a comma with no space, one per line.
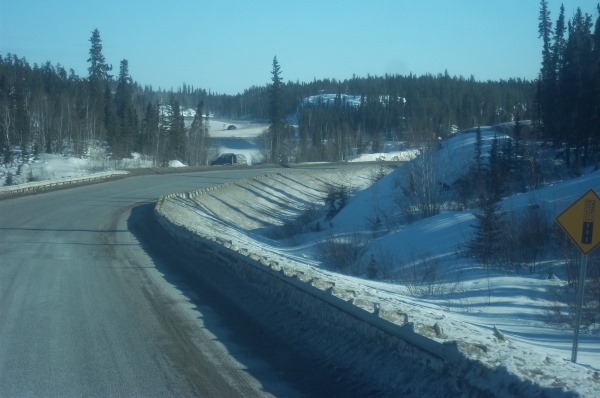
[580,285]
[578,222]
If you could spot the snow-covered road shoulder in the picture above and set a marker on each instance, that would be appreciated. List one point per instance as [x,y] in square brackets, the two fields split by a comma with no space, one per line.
[231,219]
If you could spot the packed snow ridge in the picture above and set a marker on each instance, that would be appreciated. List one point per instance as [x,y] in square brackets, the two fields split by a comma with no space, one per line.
[496,317]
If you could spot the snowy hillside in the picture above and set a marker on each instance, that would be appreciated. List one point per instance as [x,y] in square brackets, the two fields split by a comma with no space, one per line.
[329,99]
[345,99]
[466,300]
[501,311]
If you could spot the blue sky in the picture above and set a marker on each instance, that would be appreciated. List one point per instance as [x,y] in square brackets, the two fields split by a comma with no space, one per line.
[228,45]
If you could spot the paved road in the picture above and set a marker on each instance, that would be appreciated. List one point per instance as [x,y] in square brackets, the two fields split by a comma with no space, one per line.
[87,309]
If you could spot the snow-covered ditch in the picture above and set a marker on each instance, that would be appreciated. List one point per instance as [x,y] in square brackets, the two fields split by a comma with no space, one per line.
[459,352]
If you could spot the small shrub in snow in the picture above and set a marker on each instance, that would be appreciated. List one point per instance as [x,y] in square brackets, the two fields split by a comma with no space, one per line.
[426,184]
[375,223]
[372,269]
[305,221]
[9,179]
[343,253]
[31,177]
[385,264]
[562,299]
[336,199]
[533,232]
[379,173]
[569,254]
[562,306]
[420,275]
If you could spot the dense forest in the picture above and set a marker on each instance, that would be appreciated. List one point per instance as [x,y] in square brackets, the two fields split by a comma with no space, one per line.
[47,108]
[568,93]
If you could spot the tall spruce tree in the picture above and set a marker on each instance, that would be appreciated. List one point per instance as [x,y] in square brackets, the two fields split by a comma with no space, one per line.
[275,112]
[595,87]
[127,117]
[575,83]
[487,240]
[545,31]
[5,113]
[98,69]
[21,121]
[568,94]
[553,123]
[198,140]
[176,131]
[111,121]
[496,177]
[479,174]
[149,139]
[478,151]
[98,77]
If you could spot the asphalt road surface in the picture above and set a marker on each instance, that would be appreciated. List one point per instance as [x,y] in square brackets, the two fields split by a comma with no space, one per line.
[91,303]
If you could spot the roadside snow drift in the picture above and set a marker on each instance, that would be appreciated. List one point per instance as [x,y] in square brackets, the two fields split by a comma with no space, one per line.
[458,335]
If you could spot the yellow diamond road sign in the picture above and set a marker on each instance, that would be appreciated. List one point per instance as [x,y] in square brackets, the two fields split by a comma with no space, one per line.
[581,221]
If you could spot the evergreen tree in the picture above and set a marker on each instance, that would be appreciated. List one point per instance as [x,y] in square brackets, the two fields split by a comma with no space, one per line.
[479,173]
[198,140]
[553,124]
[9,179]
[575,87]
[478,149]
[98,69]
[127,116]
[176,131]
[143,139]
[487,241]
[5,113]
[595,87]
[21,115]
[111,122]
[275,112]
[97,78]
[149,139]
[568,88]
[518,130]
[545,30]
[496,174]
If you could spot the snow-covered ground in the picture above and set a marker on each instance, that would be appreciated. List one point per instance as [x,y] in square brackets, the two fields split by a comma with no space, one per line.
[467,306]
[467,301]
[48,168]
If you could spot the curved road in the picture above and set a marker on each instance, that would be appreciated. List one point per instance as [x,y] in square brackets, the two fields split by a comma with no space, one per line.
[88,309]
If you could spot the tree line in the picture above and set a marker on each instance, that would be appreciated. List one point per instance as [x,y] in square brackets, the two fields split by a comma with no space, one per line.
[47,108]
[568,88]
[392,108]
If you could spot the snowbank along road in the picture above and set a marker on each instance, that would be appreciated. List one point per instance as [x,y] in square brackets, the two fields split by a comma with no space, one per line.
[380,349]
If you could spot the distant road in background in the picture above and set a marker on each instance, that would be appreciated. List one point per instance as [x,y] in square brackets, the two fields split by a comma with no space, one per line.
[244,138]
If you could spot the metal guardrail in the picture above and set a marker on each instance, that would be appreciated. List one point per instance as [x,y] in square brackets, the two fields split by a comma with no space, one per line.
[397,324]
[29,188]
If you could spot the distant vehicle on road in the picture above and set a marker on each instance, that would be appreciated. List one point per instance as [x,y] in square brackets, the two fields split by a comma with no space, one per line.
[229,159]
[231,127]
